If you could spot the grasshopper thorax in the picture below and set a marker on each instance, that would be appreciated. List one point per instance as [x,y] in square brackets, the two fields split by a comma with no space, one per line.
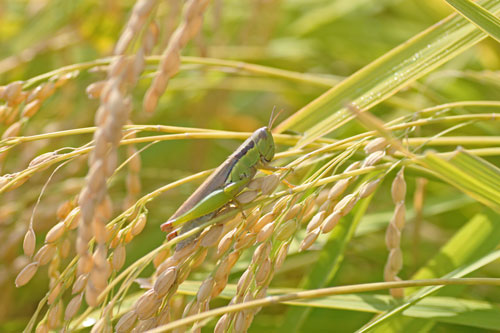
[264,142]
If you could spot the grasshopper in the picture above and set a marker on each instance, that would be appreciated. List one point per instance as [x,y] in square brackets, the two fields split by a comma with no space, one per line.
[222,186]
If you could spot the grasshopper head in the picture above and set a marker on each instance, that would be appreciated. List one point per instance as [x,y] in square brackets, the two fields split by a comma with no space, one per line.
[265,144]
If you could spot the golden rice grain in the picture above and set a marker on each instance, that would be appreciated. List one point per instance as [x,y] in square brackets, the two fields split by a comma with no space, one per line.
[73,219]
[146,325]
[316,221]
[4,112]
[119,255]
[256,183]
[45,254]
[225,242]
[183,274]
[85,264]
[262,251]
[99,277]
[170,262]
[239,322]
[353,166]
[346,204]
[395,259]
[12,130]
[279,205]
[79,284]
[392,236]
[232,258]
[293,212]
[53,270]
[397,292]
[244,282]
[337,189]
[398,219]
[147,304]
[389,274]
[309,240]
[270,183]
[91,294]
[26,274]
[31,108]
[199,258]
[265,233]
[375,145]
[281,255]
[205,289]
[12,90]
[327,206]
[246,196]
[222,271]
[212,236]
[160,257]
[252,218]
[264,220]
[164,317]
[368,188]
[128,236]
[101,326]
[11,115]
[139,225]
[65,248]
[55,233]
[373,158]
[42,328]
[191,309]
[54,315]
[47,90]
[309,211]
[33,94]
[244,241]
[134,163]
[73,307]
[101,255]
[29,242]
[54,293]
[321,197]
[185,252]
[126,322]
[263,272]
[218,288]
[398,189]
[330,222]
[164,281]
[286,230]
[222,324]
[95,89]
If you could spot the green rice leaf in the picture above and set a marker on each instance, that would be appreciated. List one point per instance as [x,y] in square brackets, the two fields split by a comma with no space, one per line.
[472,11]
[387,75]
[472,175]
[468,250]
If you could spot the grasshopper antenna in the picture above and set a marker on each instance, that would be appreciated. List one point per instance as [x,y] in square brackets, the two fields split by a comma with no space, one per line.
[273,117]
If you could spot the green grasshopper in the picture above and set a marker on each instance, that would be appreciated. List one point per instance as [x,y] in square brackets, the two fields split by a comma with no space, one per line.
[222,186]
